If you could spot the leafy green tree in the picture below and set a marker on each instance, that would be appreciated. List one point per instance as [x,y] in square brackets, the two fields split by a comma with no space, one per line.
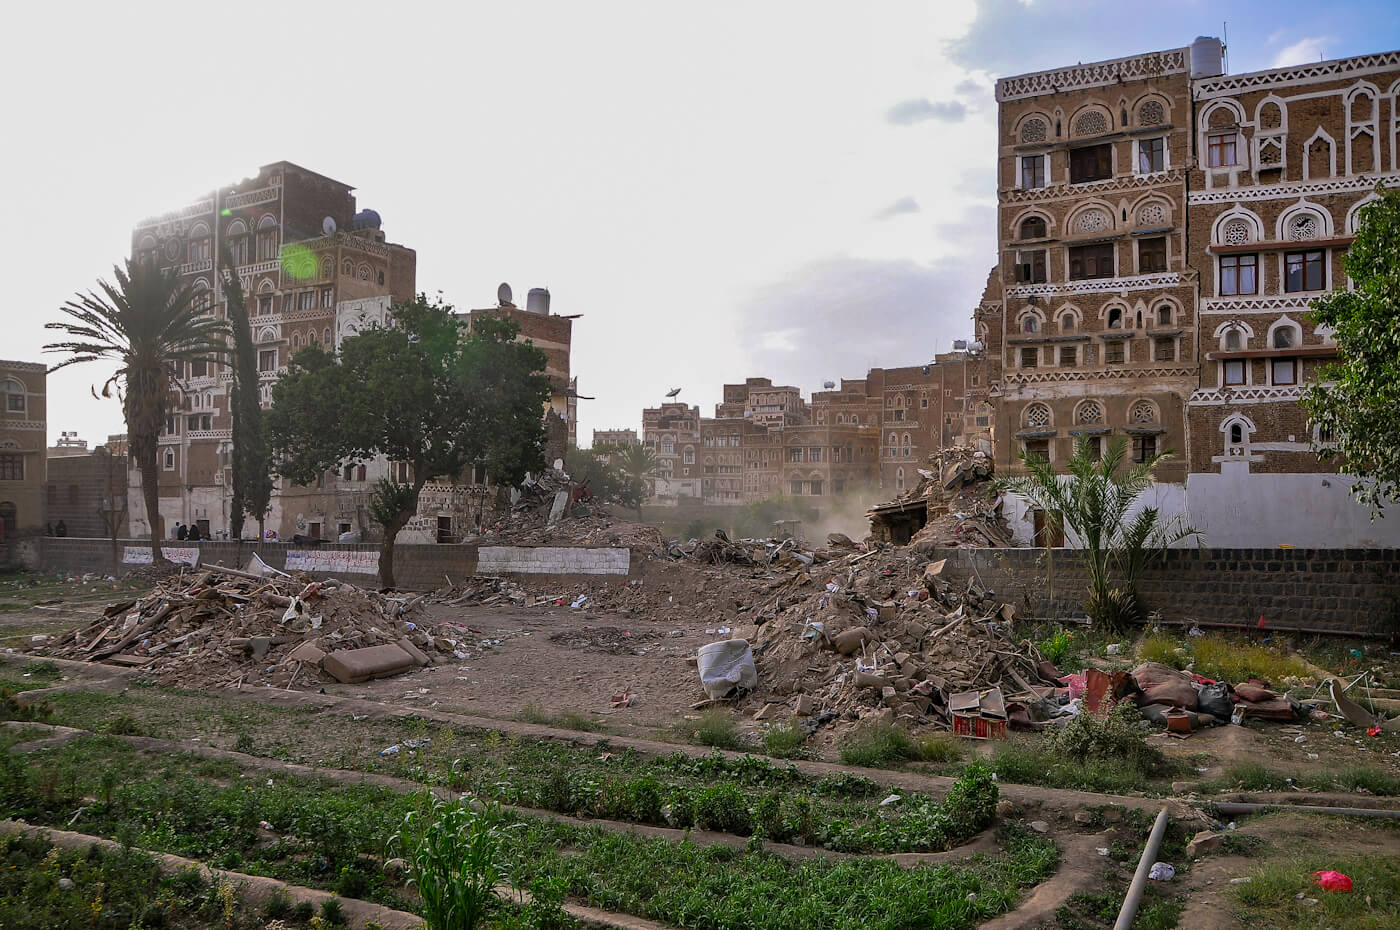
[424,391]
[252,457]
[607,480]
[148,324]
[1355,401]
[637,462]
[1093,501]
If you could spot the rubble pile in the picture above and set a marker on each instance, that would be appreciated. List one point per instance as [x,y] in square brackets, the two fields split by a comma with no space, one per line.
[879,634]
[222,627]
[951,506]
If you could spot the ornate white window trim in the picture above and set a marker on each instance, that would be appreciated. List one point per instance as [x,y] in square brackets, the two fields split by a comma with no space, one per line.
[1142,282]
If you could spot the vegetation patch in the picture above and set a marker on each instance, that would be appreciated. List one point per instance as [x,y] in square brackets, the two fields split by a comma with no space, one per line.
[1282,894]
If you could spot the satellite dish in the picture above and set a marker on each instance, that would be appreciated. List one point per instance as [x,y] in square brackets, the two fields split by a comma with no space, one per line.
[673,392]
[504,296]
[328,226]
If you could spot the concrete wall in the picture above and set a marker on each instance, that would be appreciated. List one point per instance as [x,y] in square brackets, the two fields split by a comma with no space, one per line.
[415,567]
[1325,589]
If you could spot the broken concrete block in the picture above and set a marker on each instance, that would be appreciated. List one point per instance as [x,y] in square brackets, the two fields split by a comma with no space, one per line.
[1040,826]
[766,712]
[915,630]
[804,705]
[418,655]
[1203,843]
[889,696]
[849,641]
[869,680]
[257,646]
[885,612]
[902,684]
[307,652]
[352,666]
[900,658]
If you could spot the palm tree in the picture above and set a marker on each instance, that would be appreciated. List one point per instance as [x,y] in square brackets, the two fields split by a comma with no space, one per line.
[146,323]
[1093,501]
[637,462]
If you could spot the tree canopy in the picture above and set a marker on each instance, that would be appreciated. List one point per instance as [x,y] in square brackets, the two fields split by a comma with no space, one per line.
[149,324]
[423,391]
[1354,404]
[252,457]
[1095,502]
[608,481]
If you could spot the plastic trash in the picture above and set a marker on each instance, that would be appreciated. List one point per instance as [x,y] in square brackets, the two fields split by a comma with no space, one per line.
[1332,881]
[580,601]
[389,751]
[892,799]
[1161,872]
[726,666]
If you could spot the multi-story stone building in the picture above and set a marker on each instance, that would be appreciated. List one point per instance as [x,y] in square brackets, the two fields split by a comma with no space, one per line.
[1098,316]
[1163,228]
[23,434]
[672,431]
[314,270]
[1288,158]
[604,439]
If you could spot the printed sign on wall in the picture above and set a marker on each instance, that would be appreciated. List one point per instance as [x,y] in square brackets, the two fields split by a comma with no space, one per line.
[141,555]
[331,561]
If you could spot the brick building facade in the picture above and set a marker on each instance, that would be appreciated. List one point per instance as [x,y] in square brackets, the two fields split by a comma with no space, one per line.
[86,489]
[1097,323]
[23,435]
[1163,227]
[1289,158]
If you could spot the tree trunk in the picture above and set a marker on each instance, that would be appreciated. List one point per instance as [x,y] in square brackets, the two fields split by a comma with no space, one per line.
[150,490]
[386,547]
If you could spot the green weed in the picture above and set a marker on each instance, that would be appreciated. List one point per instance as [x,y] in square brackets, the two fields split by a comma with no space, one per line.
[785,741]
[569,720]
[1162,649]
[1219,657]
[455,861]
[878,745]
[714,728]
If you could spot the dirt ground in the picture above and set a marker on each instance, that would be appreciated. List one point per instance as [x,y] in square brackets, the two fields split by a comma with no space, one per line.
[1207,885]
[556,660]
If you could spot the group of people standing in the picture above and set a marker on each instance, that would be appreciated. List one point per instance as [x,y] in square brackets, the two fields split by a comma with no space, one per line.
[185,531]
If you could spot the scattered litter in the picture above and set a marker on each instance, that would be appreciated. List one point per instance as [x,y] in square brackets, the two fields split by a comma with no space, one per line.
[1161,872]
[1332,881]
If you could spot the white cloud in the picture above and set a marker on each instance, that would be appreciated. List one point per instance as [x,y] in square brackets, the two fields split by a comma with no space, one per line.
[900,207]
[1312,48]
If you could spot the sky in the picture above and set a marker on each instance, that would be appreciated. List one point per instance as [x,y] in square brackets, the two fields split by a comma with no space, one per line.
[797,190]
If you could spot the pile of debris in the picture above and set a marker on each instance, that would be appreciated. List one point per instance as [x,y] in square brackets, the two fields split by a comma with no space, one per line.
[224,627]
[951,506]
[880,634]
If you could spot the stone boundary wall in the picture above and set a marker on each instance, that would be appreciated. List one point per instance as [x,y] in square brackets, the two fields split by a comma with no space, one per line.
[417,567]
[1335,590]
[552,560]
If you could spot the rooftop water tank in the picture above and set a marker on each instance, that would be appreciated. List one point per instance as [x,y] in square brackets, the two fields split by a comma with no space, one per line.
[367,219]
[1207,57]
[537,301]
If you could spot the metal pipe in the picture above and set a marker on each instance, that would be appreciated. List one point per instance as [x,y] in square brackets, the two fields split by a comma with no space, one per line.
[1243,807]
[1149,853]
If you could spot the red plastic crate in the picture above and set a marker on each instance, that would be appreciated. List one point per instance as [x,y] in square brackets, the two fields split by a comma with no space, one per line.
[978,727]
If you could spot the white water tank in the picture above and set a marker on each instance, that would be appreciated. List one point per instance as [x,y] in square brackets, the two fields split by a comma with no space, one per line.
[537,301]
[1207,57]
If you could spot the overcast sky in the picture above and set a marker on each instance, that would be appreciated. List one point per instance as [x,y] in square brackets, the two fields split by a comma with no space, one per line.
[723,189]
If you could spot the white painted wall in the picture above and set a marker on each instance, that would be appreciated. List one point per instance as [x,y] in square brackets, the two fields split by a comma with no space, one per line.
[1307,511]
[1239,510]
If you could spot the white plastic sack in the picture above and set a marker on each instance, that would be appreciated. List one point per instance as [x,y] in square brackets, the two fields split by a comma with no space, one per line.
[258,567]
[725,666]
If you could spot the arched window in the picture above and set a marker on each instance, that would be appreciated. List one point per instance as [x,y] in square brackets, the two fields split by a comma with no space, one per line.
[1233,341]
[347,267]
[1089,412]
[1283,337]
[296,341]
[326,335]
[13,390]
[1164,314]
[855,419]
[1143,412]
[1033,227]
[899,479]
[1236,434]
[1037,416]
[1115,318]
[1030,325]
